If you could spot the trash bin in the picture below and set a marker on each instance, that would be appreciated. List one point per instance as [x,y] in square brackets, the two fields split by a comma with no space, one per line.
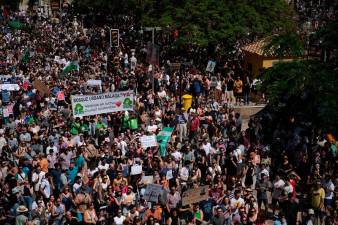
[187,101]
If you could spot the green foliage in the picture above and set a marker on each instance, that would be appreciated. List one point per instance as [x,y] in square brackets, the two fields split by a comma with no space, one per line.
[210,21]
[306,89]
[203,22]
[12,4]
[329,35]
[287,44]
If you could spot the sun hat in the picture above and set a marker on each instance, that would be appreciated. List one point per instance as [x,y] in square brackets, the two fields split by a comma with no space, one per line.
[22,209]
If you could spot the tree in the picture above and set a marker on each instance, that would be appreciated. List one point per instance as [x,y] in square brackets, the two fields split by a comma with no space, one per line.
[286,44]
[304,90]
[203,22]
[12,4]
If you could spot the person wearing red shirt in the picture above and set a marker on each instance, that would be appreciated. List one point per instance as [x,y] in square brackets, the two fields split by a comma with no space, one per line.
[194,125]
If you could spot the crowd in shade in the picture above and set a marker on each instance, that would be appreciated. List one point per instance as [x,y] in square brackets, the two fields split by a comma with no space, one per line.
[62,169]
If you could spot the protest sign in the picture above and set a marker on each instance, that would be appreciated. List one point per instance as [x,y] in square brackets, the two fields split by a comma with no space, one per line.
[163,138]
[169,174]
[41,87]
[87,105]
[175,66]
[195,195]
[147,179]
[148,141]
[152,192]
[9,87]
[94,83]
[211,66]
[136,169]
[213,81]
[5,96]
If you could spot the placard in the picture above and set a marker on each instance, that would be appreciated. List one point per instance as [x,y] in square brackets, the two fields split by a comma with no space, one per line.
[87,105]
[211,66]
[10,87]
[41,87]
[94,82]
[195,195]
[148,141]
[147,180]
[169,174]
[152,192]
[136,169]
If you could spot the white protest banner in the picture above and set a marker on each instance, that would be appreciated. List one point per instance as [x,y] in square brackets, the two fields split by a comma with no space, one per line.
[94,82]
[9,87]
[87,105]
[152,192]
[195,195]
[148,141]
[211,66]
[136,169]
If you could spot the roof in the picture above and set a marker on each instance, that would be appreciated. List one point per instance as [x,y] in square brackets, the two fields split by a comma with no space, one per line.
[256,47]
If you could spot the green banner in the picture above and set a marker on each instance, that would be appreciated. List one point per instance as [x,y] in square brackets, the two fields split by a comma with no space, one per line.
[14,24]
[163,138]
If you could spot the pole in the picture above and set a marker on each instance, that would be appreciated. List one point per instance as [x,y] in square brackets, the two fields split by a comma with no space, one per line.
[180,80]
[153,66]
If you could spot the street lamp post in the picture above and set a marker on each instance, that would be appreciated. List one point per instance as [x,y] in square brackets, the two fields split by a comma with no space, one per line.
[152,29]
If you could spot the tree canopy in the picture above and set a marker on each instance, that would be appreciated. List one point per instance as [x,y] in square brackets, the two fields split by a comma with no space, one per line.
[204,22]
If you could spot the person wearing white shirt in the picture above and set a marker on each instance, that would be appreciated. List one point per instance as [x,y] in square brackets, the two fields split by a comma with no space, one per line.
[206,147]
[119,219]
[237,202]
[278,185]
[329,191]
[184,173]
[45,187]
[51,148]
[37,177]
[177,155]
[122,144]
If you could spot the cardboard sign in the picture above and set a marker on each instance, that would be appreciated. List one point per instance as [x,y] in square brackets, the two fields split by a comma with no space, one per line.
[175,66]
[211,66]
[153,191]
[213,82]
[148,141]
[195,195]
[169,174]
[136,169]
[41,87]
[147,179]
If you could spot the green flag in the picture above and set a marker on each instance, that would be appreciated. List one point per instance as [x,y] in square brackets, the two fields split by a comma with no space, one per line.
[14,24]
[25,57]
[163,138]
[71,66]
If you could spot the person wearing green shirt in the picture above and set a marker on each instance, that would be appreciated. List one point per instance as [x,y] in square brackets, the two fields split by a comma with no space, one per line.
[84,127]
[75,127]
[133,123]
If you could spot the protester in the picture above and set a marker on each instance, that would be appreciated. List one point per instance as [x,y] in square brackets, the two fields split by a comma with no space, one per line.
[58,168]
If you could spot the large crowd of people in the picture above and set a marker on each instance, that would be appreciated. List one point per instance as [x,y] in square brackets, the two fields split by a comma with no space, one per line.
[65,170]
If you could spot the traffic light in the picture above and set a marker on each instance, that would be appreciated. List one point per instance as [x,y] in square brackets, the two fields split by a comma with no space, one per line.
[114,38]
